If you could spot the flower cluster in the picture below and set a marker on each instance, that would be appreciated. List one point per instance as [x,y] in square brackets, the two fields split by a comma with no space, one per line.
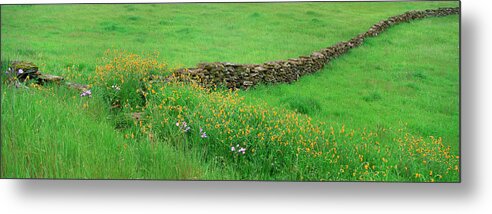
[203,134]
[183,126]
[86,93]
[116,87]
[19,71]
[124,79]
[238,149]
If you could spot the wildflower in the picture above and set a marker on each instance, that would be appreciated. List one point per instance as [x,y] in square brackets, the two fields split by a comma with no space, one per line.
[184,126]
[20,71]
[203,134]
[233,149]
[242,150]
[115,87]
[86,93]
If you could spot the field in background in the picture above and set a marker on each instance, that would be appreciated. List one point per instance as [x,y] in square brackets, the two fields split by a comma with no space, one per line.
[405,81]
[62,36]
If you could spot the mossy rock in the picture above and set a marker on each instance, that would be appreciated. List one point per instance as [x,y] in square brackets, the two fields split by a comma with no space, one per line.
[24,69]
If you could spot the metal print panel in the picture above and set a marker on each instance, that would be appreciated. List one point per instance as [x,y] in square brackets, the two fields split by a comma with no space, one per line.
[285,91]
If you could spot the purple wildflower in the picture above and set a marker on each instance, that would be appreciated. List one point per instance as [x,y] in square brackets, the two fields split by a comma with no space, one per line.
[86,93]
[184,126]
[238,149]
[20,71]
[202,133]
[242,150]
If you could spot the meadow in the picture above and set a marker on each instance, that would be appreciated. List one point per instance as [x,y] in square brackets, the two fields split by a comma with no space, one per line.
[386,111]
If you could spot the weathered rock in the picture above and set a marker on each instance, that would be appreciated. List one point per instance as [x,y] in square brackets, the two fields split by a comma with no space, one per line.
[48,78]
[77,86]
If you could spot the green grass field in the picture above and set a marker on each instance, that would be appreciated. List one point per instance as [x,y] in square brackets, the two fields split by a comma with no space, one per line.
[403,76]
[386,111]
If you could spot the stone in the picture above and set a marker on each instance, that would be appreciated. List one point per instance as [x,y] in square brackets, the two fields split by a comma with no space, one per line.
[77,86]
[24,69]
[137,115]
[48,78]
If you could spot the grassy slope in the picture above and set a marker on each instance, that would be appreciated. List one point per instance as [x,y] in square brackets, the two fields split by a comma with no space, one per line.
[409,74]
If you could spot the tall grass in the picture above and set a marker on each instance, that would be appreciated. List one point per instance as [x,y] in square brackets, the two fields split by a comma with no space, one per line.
[54,133]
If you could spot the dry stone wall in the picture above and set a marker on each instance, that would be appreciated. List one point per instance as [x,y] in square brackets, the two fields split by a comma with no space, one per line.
[286,71]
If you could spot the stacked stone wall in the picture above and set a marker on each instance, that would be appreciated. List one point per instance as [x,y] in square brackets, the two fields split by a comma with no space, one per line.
[286,71]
